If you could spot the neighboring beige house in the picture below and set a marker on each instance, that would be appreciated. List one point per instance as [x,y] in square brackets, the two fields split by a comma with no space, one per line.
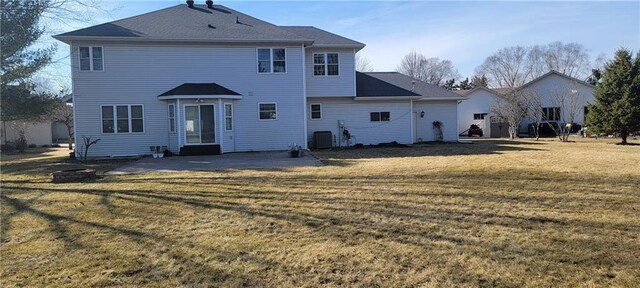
[38,133]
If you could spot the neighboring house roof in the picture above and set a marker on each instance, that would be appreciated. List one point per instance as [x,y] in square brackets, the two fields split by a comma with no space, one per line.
[554,72]
[322,38]
[200,89]
[201,24]
[494,91]
[370,84]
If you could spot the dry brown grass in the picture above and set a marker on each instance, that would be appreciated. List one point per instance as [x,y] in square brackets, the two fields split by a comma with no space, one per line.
[495,213]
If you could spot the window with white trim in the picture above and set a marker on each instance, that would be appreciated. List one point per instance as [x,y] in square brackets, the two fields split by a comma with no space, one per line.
[272,60]
[315,111]
[122,119]
[91,58]
[268,111]
[326,64]
[380,116]
[228,117]
[551,113]
[479,116]
[172,118]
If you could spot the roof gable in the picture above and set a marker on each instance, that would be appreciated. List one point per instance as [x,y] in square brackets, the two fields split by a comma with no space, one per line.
[556,73]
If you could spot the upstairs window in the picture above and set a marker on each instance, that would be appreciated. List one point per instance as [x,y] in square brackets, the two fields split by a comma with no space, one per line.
[91,58]
[272,60]
[551,113]
[316,111]
[326,64]
[380,116]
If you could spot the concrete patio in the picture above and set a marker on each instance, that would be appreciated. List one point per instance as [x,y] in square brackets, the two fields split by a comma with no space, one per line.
[247,160]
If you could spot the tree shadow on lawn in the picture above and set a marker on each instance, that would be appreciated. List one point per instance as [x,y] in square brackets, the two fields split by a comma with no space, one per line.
[483,147]
[483,224]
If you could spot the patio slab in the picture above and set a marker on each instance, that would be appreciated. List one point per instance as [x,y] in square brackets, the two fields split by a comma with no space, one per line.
[246,160]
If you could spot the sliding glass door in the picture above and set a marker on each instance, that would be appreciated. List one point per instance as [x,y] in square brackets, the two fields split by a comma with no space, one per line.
[199,124]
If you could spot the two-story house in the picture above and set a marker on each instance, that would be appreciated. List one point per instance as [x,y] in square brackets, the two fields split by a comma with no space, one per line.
[209,79]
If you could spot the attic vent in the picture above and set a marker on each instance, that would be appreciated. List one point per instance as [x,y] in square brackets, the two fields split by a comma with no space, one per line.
[211,26]
[210,4]
[237,20]
[190,3]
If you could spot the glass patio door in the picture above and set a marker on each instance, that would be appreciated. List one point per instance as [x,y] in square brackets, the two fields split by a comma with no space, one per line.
[199,124]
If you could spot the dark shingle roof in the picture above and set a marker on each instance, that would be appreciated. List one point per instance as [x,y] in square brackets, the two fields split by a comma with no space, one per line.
[199,89]
[220,24]
[370,84]
[183,23]
[322,38]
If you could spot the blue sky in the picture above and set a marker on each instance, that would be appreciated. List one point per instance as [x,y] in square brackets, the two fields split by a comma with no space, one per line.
[463,32]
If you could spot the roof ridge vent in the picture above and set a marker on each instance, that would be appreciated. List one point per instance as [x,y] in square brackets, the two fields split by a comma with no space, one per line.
[190,3]
[209,4]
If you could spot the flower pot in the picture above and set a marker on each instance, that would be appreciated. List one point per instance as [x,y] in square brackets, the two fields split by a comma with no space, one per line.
[296,153]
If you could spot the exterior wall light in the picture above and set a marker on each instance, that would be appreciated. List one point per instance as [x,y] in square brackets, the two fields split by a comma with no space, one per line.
[422,114]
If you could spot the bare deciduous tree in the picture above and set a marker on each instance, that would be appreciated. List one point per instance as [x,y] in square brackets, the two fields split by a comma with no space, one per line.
[566,100]
[512,108]
[63,113]
[363,64]
[513,66]
[535,112]
[508,68]
[430,70]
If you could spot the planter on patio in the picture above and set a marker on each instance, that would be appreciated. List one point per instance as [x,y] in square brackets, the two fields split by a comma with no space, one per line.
[296,153]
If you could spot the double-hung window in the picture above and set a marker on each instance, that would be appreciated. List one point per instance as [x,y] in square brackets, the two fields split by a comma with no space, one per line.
[122,119]
[551,113]
[380,116]
[326,64]
[228,117]
[272,60]
[316,111]
[91,58]
[172,118]
[268,111]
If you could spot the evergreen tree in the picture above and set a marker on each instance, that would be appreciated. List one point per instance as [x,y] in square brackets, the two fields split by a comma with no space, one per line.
[480,81]
[450,84]
[465,84]
[617,106]
[20,30]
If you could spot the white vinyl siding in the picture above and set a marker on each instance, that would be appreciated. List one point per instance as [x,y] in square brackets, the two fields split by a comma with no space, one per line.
[91,58]
[340,85]
[144,71]
[356,117]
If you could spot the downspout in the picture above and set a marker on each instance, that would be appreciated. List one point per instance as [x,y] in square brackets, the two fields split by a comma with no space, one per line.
[221,117]
[304,101]
[73,99]
[178,124]
[412,114]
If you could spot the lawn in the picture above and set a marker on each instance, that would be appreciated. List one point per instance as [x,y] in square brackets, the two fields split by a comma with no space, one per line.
[493,214]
